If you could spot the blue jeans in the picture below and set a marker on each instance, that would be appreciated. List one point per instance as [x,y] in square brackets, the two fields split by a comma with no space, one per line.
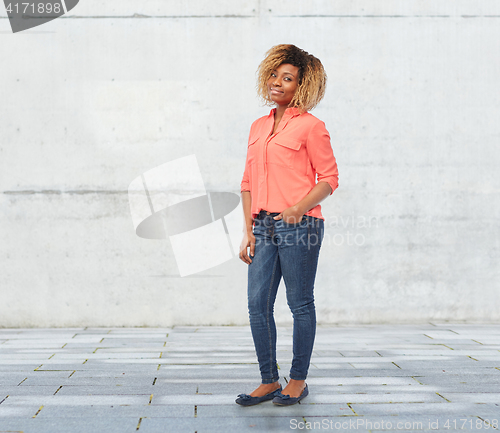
[291,251]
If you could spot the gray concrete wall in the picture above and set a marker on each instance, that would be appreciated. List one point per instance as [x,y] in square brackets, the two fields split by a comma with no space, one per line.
[92,100]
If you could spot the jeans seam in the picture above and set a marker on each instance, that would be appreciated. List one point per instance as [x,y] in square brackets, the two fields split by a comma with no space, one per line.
[304,261]
[267,318]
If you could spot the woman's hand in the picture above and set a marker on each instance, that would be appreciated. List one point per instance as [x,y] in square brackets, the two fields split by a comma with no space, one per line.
[248,241]
[291,215]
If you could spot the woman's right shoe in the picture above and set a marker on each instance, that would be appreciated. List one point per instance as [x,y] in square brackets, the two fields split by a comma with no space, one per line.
[286,400]
[248,400]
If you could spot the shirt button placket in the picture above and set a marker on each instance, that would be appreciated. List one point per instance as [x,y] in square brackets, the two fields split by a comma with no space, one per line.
[264,180]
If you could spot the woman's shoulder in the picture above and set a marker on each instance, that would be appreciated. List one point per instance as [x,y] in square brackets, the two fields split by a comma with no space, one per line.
[312,124]
[310,118]
[258,124]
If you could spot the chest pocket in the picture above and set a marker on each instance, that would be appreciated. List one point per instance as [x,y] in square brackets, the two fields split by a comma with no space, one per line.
[284,153]
[253,151]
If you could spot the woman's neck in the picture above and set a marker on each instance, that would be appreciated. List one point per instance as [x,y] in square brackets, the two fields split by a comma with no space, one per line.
[280,110]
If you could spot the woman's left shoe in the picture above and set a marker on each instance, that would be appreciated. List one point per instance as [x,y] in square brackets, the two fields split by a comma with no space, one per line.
[248,400]
[286,400]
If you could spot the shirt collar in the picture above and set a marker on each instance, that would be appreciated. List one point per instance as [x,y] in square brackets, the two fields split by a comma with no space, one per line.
[289,112]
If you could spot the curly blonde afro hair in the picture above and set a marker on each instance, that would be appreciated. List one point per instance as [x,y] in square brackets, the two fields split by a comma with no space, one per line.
[312,76]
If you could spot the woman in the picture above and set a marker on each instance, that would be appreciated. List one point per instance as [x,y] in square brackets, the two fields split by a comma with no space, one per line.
[284,226]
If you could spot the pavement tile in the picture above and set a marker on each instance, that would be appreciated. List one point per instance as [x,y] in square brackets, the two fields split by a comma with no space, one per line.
[465,388]
[385,365]
[131,350]
[374,397]
[361,381]
[17,411]
[73,425]
[105,355]
[235,387]
[142,380]
[36,374]
[74,400]
[105,390]
[194,399]
[11,378]
[115,411]
[473,397]
[148,374]
[136,330]
[332,366]
[373,389]
[26,362]
[111,368]
[216,425]
[156,337]
[192,360]
[359,353]
[114,344]
[449,379]
[145,389]
[32,336]
[350,371]
[455,409]
[29,390]
[35,343]
[166,424]
[167,372]
[212,380]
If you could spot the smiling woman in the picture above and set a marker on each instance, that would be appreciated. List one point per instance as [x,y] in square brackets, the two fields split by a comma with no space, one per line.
[284,227]
[282,84]
[310,78]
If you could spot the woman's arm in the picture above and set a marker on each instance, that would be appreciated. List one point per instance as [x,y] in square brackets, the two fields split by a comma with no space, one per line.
[324,164]
[294,213]
[246,198]
[248,237]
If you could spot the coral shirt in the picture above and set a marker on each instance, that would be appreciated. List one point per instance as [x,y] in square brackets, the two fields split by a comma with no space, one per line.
[281,169]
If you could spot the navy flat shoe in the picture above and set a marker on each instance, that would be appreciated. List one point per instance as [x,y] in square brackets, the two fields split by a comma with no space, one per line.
[286,400]
[248,400]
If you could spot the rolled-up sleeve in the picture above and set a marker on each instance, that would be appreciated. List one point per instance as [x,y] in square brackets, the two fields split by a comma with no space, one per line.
[245,182]
[320,152]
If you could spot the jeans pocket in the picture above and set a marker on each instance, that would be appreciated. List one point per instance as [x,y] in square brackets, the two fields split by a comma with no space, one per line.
[317,231]
[302,223]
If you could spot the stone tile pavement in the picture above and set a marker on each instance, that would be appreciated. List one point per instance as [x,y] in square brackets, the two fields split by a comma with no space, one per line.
[428,377]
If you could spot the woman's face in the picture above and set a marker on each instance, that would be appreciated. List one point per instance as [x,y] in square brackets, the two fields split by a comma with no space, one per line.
[283,83]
